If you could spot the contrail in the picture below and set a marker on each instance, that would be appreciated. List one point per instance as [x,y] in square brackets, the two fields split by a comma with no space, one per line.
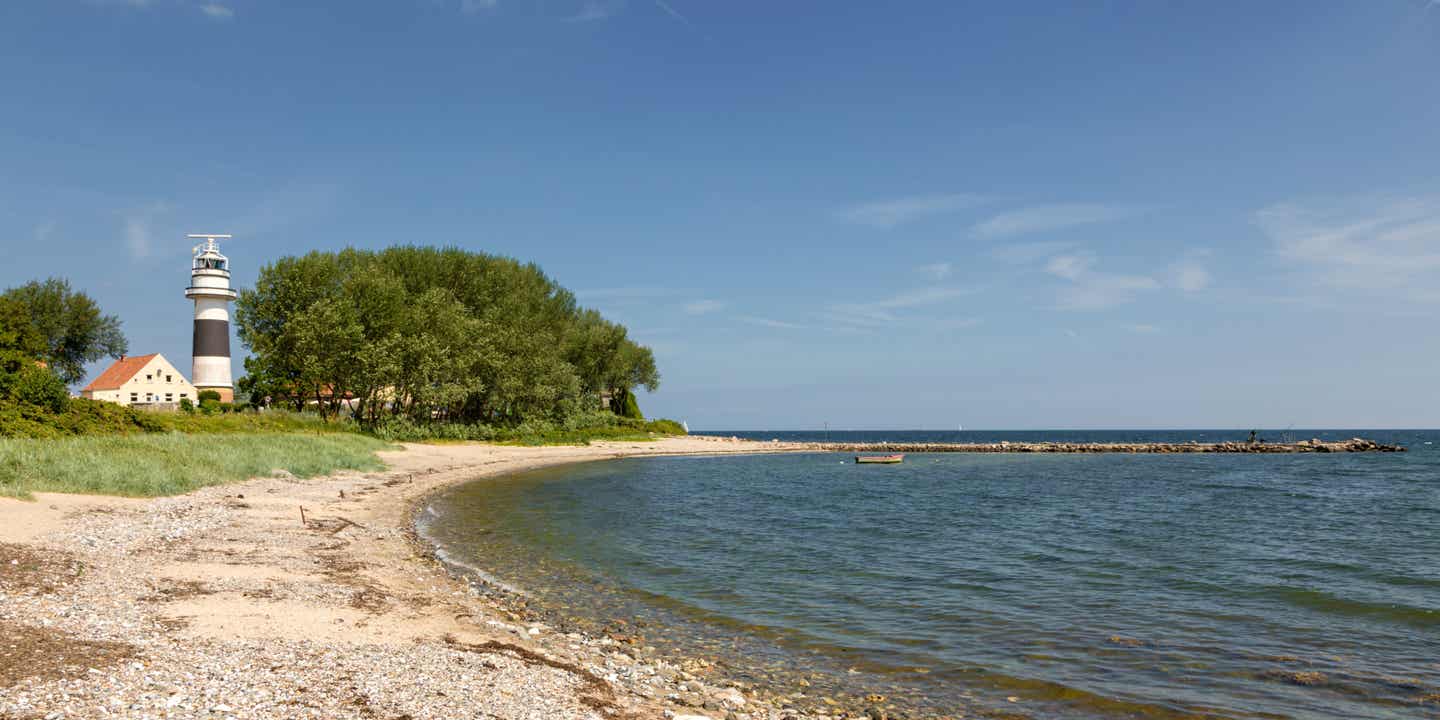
[672,12]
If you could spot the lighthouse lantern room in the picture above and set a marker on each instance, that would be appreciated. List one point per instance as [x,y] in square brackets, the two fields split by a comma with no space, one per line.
[211,291]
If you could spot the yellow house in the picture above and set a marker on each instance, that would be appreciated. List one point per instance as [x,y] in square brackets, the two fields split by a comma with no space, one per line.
[142,380]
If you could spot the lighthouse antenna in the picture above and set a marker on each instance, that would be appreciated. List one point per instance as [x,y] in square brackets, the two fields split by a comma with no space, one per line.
[209,239]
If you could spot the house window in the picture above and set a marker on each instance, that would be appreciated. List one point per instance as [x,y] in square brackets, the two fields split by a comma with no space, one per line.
[184,395]
[147,376]
[169,397]
[134,397]
[169,378]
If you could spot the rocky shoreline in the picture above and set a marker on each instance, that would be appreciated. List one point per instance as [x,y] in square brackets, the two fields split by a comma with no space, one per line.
[1353,445]
[232,602]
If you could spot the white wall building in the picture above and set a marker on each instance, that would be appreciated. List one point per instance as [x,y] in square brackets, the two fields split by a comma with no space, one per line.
[141,380]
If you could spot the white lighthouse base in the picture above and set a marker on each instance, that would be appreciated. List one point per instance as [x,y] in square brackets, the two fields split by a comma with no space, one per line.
[227,394]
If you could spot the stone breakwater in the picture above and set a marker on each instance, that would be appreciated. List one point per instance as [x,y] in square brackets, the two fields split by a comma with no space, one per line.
[1303,446]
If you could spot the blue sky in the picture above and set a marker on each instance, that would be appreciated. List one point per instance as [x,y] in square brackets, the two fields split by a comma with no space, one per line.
[1006,215]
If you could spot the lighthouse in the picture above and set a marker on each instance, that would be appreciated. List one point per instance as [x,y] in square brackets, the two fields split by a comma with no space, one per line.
[211,291]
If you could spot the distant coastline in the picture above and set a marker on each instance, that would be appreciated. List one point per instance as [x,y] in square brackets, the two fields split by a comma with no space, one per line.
[1103,441]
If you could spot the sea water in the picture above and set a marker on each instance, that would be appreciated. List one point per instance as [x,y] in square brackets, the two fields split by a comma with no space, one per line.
[1048,586]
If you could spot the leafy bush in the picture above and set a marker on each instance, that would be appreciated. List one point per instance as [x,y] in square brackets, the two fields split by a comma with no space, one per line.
[187,406]
[665,427]
[37,386]
[623,403]
[578,429]
[208,395]
[92,417]
[80,417]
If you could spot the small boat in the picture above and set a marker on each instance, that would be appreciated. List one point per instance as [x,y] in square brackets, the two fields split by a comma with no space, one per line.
[879,459]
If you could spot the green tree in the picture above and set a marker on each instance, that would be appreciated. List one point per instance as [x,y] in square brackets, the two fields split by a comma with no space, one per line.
[68,325]
[430,334]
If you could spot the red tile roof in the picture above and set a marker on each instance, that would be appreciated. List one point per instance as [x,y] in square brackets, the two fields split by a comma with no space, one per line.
[119,373]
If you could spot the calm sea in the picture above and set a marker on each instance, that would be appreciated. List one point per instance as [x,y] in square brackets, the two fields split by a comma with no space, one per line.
[1047,586]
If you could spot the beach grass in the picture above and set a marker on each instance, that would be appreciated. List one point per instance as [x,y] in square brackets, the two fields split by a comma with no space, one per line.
[155,464]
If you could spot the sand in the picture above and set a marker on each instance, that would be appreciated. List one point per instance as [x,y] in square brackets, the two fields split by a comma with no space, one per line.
[222,603]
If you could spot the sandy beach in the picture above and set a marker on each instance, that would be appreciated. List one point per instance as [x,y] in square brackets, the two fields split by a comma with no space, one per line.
[223,604]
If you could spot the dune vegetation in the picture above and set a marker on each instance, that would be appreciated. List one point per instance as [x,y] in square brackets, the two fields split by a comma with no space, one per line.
[149,465]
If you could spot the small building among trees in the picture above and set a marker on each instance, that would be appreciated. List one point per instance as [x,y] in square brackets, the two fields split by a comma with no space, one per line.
[141,380]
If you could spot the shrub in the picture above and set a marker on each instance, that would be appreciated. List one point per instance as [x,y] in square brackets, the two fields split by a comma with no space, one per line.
[625,405]
[37,386]
[578,429]
[80,417]
[665,427]
[208,395]
[187,406]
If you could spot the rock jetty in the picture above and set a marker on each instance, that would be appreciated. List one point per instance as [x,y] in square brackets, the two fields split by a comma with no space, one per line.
[1304,446]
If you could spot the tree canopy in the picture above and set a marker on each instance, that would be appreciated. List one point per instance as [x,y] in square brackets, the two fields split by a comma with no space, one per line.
[65,329]
[430,334]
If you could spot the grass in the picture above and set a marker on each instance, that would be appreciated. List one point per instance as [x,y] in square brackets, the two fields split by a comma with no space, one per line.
[151,465]
[106,449]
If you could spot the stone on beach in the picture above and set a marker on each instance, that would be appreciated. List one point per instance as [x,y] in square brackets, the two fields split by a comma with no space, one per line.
[199,606]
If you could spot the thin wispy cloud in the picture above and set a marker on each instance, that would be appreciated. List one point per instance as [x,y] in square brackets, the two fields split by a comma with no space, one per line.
[474,7]
[594,10]
[211,9]
[1048,218]
[1190,274]
[1091,289]
[882,311]
[936,271]
[1027,253]
[922,296]
[217,11]
[891,213]
[768,322]
[672,12]
[44,232]
[137,227]
[959,323]
[703,307]
[1382,246]
[1070,267]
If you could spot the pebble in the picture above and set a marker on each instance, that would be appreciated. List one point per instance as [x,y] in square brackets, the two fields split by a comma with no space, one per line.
[177,674]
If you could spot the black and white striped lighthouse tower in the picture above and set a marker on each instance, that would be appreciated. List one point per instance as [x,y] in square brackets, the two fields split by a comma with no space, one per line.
[210,288]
